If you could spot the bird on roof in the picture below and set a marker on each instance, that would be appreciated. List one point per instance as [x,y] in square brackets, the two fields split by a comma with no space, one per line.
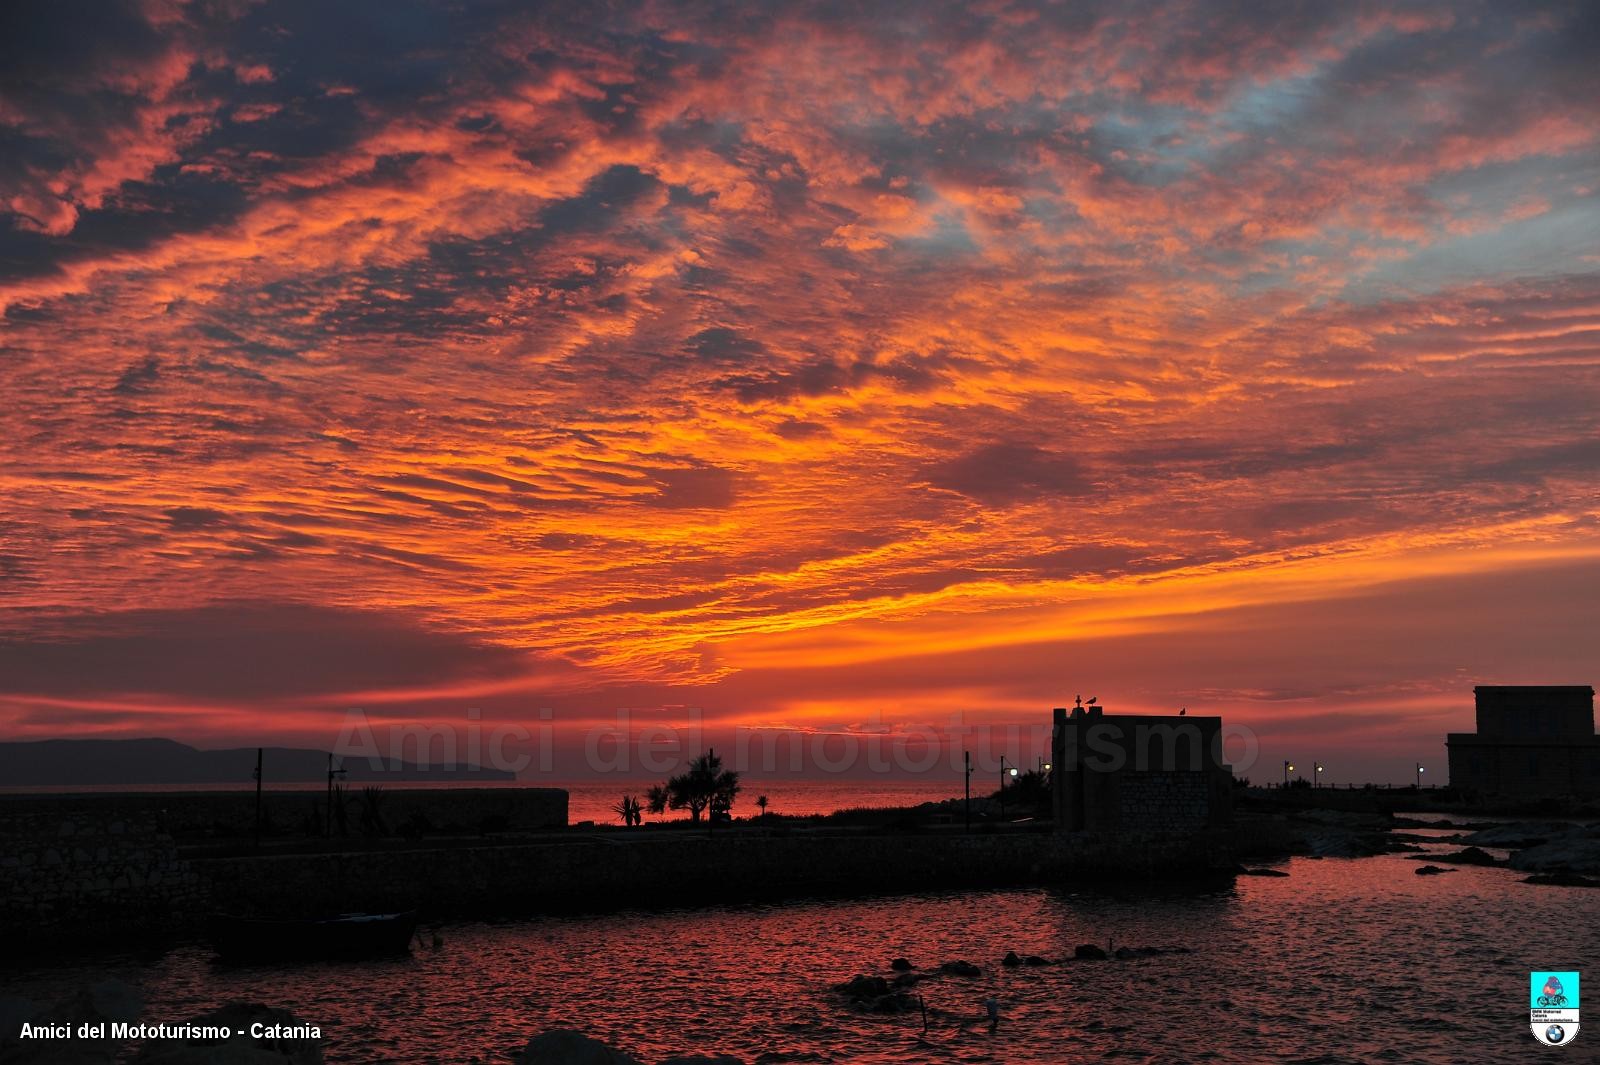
[1093,699]
[1185,710]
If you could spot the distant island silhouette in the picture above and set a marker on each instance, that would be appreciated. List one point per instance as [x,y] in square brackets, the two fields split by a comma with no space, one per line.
[143,762]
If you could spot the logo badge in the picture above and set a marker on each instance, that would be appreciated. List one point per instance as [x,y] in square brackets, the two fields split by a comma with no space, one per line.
[1553,1007]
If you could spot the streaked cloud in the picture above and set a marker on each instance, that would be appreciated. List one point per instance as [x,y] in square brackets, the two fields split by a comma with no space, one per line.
[702,348]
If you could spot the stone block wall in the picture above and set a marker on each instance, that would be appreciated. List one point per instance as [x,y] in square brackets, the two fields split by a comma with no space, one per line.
[1159,801]
[84,873]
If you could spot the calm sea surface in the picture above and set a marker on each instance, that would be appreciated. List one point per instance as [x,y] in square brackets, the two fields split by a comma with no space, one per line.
[1343,961]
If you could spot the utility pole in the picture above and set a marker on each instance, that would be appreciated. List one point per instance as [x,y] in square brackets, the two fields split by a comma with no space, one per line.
[332,772]
[966,757]
[259,754]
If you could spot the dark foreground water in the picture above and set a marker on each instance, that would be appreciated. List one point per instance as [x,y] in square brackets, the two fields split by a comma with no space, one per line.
[1344,961]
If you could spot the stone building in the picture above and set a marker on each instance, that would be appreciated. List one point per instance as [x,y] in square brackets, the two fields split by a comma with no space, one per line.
[1138,775]
[1531,740]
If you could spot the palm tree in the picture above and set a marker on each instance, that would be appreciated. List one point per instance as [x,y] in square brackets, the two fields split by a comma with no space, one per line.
[761,801]
[372,819]
[657,799]
[704,785]
[629,810]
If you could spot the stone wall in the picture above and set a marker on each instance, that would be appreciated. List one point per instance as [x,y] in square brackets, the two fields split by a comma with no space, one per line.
[82,878]
[1514,768]
[1135,773]
[1153,802]
[680,868]
[85,874]
[197,815]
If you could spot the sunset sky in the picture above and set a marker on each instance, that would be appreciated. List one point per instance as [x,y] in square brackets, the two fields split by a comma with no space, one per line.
[827,367]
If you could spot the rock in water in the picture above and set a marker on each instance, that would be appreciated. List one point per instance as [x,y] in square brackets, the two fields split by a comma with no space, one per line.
[1432,870]
[1525,834]
[1011,960]
[1561,880]
[1560,856]
[563,1046]
[960,968]
[1088,952]
[1469,856]
[863,987]
[901,965]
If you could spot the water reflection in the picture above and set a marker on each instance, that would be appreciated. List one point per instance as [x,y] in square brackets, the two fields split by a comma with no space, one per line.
[1344,960]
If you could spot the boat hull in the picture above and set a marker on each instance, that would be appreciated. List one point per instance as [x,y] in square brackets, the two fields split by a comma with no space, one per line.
[343,936]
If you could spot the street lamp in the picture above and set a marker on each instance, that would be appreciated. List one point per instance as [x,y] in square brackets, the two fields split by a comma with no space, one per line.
[1316,770]
[1421,769]
[1288,767]
[966,758]
[1003,771]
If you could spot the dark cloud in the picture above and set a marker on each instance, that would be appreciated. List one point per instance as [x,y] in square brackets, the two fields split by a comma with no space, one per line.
[245,651]
[694,488]
[721,344]
[139,376]
[1005,474]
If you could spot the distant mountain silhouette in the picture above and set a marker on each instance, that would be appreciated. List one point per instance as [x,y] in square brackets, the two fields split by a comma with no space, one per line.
[39,763]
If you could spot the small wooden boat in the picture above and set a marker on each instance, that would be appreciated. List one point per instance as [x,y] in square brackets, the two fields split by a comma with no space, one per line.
[346,935]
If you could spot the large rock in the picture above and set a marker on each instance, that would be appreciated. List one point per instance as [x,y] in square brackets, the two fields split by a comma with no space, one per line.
[1089,952]
[241,1048]
[862,987]
[563,1046]
[106,1000]
[1560,856]
[960,968]
[1336,842]
[1561,880]
[1467,856]
[1526,834]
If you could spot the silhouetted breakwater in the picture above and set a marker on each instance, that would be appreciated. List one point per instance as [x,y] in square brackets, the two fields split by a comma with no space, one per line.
[154,892]
[190,816]
[683,868]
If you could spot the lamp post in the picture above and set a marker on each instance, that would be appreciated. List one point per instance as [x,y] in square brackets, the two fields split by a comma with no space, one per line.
[1316,771]
[966,757]
[1421,769]
[1003,772]
[1288,767]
